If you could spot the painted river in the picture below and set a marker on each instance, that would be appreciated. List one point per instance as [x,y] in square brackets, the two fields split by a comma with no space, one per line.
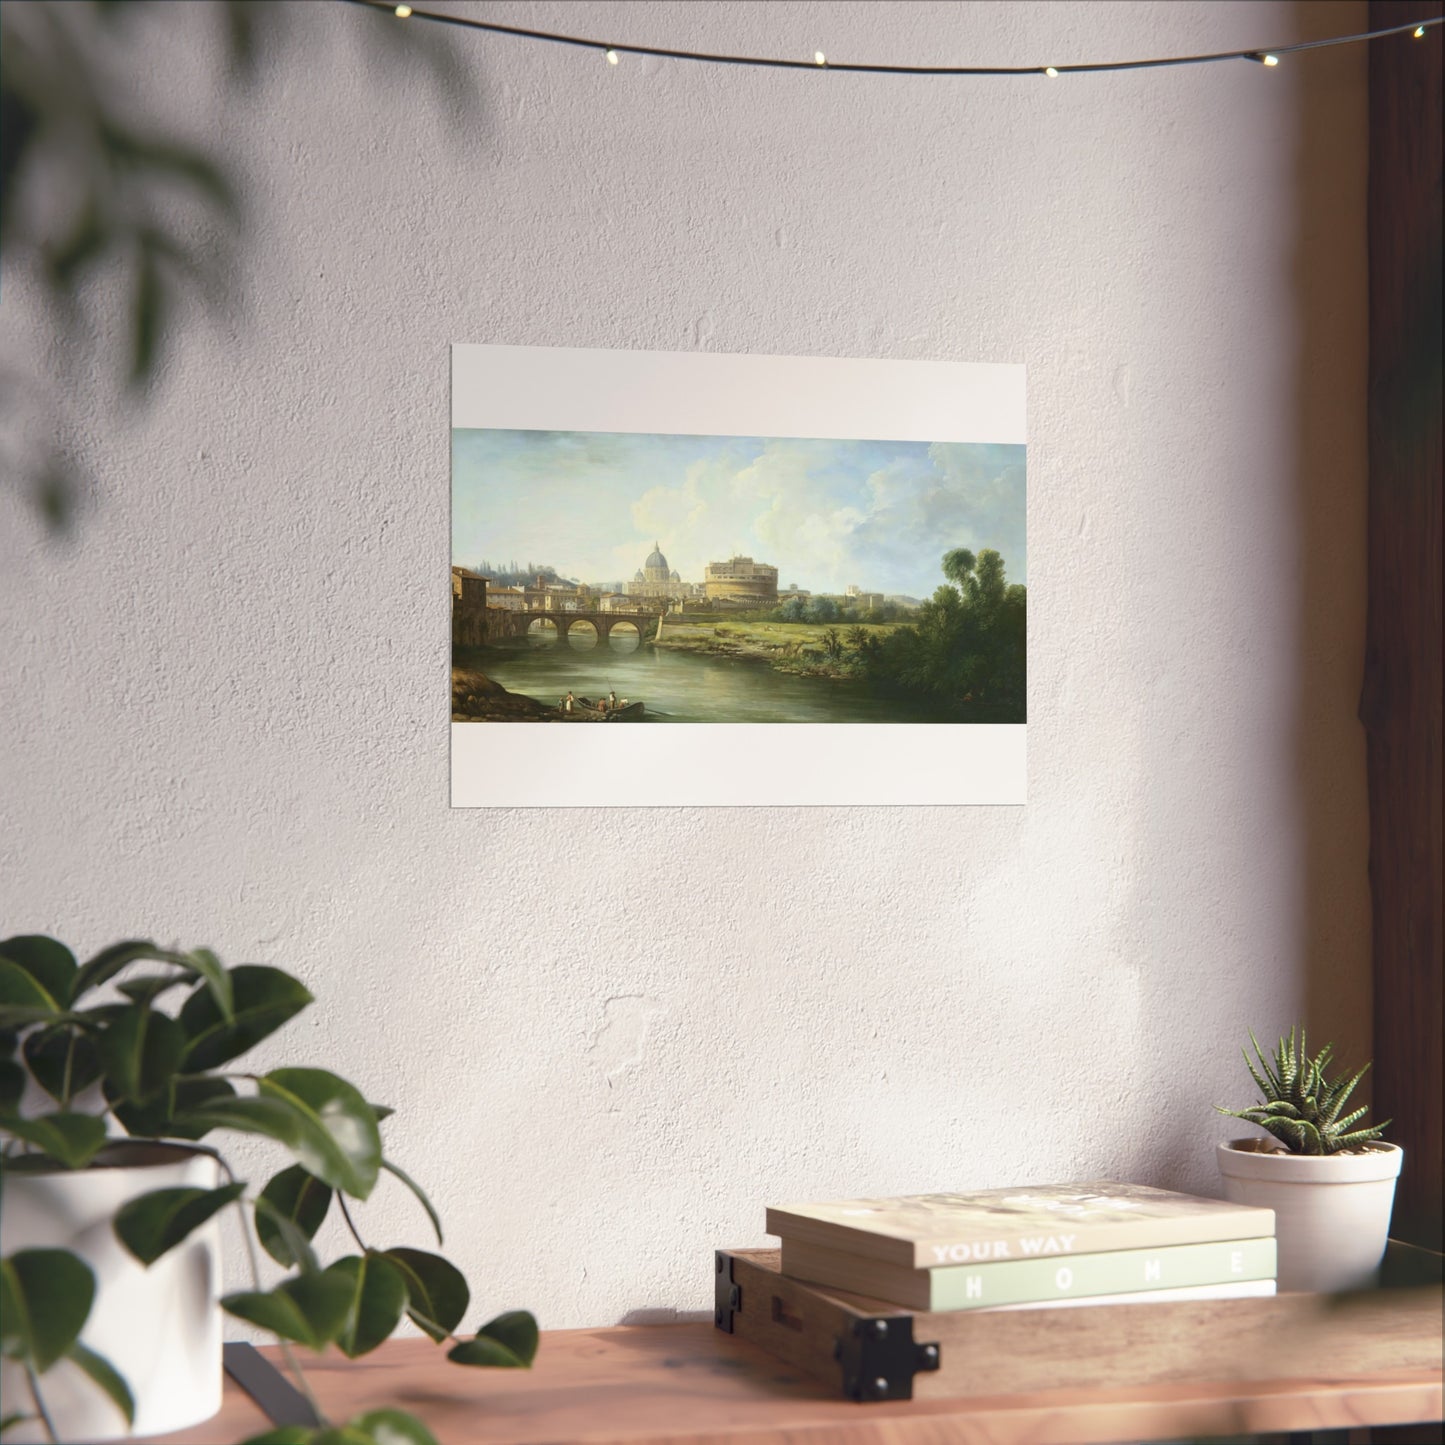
[690,686]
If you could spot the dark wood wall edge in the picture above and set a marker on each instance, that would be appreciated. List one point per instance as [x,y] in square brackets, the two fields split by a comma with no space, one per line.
[1401,697]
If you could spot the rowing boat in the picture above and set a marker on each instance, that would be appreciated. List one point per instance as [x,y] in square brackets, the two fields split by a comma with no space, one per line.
[585,712]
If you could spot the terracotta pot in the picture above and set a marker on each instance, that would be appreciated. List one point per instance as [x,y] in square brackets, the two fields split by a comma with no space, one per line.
[160,1327]
[1331,1211]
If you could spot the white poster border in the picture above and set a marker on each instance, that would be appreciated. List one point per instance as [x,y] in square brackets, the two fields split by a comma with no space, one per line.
[737,764]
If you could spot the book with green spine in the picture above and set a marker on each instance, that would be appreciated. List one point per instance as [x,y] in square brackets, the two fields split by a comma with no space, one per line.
[923,1231]
[1034,1281]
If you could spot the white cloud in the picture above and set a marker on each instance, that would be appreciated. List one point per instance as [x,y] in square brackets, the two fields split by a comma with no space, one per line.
[826,513]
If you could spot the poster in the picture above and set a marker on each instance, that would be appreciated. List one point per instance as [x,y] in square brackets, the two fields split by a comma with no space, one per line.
[685,579]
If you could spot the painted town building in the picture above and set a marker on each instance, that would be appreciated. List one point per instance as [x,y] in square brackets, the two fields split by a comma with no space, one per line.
[469,608]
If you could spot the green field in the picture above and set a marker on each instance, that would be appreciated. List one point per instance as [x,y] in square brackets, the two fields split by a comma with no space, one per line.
[788,646]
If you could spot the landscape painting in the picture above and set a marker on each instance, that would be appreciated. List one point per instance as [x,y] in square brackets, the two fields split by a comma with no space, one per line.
[700,578]
[640,578]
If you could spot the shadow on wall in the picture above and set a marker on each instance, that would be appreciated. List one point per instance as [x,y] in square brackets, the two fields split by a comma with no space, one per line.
[91,188]
[1330,484]
[1325,914]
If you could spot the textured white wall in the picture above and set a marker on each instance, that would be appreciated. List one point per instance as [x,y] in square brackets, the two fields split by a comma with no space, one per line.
[612,1037]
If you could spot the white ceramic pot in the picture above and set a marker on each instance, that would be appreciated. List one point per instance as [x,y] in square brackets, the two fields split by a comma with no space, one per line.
[160,1327]
[1331,1211]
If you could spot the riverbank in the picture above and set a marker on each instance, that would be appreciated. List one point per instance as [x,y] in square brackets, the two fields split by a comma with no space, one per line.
[800,649]
[476,698]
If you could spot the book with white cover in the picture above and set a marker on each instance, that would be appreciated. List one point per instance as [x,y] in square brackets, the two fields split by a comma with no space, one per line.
[1247,1289]
[1114,1272]
[924,1231]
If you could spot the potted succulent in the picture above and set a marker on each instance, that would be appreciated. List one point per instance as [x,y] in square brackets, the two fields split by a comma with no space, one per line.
[1331,1185]
[114,1086]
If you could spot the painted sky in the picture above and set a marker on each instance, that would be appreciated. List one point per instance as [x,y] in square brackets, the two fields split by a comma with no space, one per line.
[825,513]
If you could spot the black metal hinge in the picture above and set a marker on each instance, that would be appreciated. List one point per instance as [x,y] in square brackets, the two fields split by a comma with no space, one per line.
[727,1296]
[880,1358]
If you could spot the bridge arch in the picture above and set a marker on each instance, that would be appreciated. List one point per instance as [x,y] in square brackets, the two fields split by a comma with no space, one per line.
[503,622]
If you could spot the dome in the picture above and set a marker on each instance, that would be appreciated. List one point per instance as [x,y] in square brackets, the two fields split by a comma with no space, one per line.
[656,560]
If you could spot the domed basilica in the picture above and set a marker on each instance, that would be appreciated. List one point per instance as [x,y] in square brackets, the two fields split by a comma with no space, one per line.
[656,580]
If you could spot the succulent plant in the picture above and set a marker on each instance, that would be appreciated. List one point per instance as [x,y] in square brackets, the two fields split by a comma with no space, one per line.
[1301,1108]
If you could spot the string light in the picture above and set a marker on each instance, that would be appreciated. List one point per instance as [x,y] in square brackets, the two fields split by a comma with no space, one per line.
[612,57]
[1257,54]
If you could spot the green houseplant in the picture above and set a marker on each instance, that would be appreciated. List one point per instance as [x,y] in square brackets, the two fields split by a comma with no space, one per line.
[108,1071]
[1331,1184]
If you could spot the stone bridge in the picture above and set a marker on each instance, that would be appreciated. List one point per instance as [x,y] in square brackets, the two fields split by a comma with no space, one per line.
[511,622]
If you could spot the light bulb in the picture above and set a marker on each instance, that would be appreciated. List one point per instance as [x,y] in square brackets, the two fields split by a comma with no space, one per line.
[402,11]
[612,57]
[1419,32]
[1051,72]
[1271,60]
[819,58]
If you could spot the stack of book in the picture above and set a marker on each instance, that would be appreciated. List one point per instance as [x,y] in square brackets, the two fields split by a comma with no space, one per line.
[1031,1247]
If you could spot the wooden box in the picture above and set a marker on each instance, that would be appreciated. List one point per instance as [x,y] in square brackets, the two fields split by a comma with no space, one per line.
[871,1350]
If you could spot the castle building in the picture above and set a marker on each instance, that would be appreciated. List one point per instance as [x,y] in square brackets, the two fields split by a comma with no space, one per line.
[741,580]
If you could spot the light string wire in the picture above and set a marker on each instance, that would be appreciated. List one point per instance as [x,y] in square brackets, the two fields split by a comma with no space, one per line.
[611,49]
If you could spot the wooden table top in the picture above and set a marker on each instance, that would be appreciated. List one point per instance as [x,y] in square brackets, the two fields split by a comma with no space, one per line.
[694,1385]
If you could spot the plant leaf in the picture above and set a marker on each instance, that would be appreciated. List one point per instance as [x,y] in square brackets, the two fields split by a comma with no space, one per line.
[280,1116]
[187,1094]
[148,989]
[12,1086]
[437,1293]
[50,964]
[148,314]
[378,1296]
[1361,1136]
[210,968]
[507,1342]
[141,1051]
[104,1374]
[109,962]
[263,999]
[269,1117]
[340,1143]
[46,1296]
[47,1052]
[299,1247]
[298,1197]
[392,1427]
[72,1139]
[416,1189]
[23,999]
[143,1121]
[151,1224]
[310,1310]
[14,1323]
